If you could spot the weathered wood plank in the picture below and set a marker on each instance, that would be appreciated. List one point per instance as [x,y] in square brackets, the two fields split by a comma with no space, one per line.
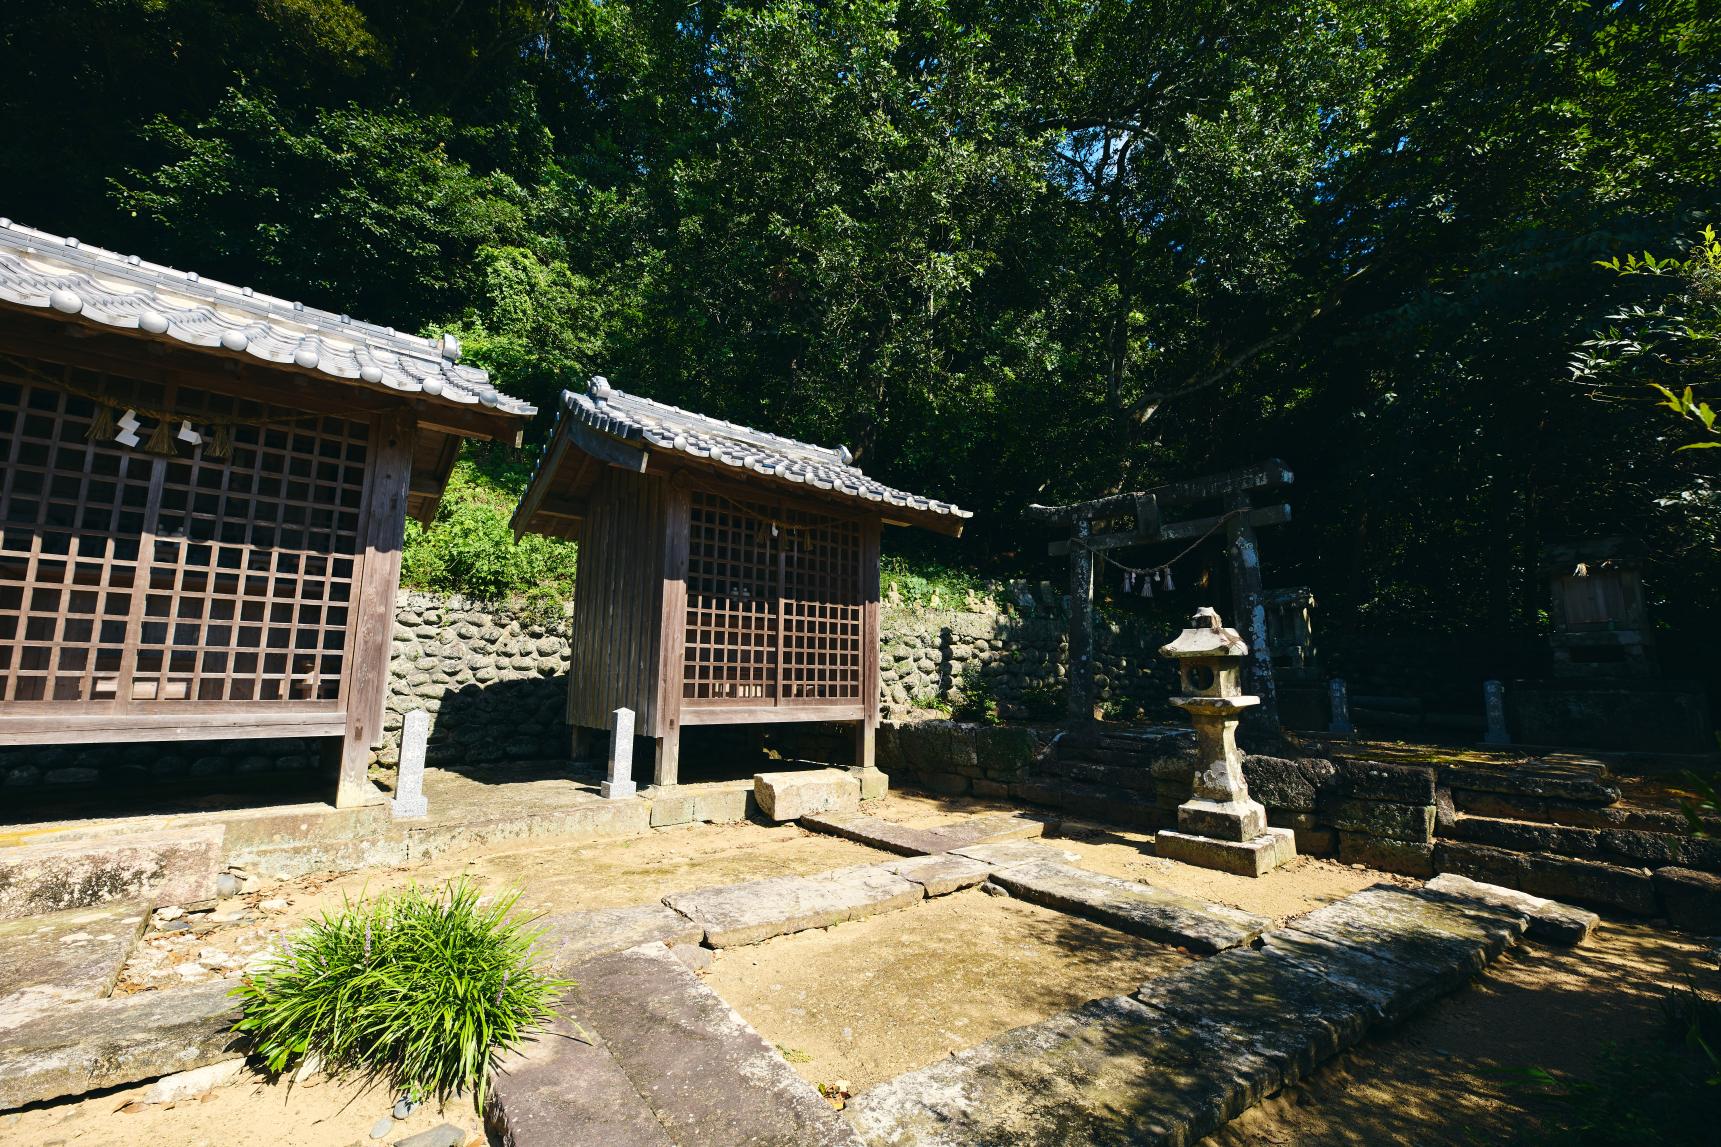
[695,713]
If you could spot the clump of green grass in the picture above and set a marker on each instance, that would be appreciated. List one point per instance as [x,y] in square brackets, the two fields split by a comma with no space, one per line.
[421,988]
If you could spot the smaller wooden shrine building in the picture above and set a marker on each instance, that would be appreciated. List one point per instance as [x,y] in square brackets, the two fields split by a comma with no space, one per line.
[726,576]
[203,495]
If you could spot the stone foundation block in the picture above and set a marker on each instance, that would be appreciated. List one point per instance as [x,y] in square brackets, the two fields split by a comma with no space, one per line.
[721,805]
[1323,842]
[670,808]
[1400,856]
[1414,823]
[941,875]
[793,795]
[1255,857]
[1692,899]
[177,867]
[1400,784]
[1582,881]
[1238,820]
[874,784]
[572,938]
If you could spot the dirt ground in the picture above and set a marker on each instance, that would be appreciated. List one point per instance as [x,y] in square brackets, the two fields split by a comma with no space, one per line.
[552,876]
[868,1000]
[1446,1077]
[252,1113]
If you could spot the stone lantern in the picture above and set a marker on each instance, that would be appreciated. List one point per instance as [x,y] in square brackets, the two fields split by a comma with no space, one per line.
[1219,826]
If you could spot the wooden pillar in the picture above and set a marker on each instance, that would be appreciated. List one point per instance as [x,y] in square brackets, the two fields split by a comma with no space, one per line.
[666,768]
[370,631]
[866,729]
[1079,681]
[1249,614]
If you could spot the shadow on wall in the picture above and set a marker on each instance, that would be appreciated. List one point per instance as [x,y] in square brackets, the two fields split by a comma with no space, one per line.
[518,720]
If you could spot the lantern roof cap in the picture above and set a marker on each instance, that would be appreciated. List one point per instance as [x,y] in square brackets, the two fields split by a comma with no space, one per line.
[1206,637]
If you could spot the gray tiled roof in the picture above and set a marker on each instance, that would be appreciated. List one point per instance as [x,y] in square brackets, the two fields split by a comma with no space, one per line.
[664,427]
[63,275]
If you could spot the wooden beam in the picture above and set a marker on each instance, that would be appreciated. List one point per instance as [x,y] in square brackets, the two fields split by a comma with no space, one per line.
[196,724]
[1173,531]
[1263,475]
[694,714]
[383,535]
[606,448]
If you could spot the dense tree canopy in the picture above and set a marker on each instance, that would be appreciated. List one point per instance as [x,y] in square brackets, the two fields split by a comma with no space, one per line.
[1008,250]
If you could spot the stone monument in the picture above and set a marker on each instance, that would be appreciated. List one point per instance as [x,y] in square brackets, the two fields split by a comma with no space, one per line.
[1219,827]
[620,784]
[1494,708]
[1339,694]
[409,780]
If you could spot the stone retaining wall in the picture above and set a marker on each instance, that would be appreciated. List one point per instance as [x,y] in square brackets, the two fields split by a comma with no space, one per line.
[935,658]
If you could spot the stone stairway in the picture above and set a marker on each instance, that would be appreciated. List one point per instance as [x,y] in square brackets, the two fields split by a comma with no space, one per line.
[1130,777]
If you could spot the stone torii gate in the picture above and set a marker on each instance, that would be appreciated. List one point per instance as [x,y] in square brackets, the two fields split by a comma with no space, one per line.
[1136,519]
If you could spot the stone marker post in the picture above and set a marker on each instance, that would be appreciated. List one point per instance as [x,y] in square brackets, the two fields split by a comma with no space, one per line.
[409,781]
[1220,826]
[1341,722]
[1494,705]
[620,785]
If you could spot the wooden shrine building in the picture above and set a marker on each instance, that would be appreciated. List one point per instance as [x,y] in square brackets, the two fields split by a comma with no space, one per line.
[727,576]
[203,493]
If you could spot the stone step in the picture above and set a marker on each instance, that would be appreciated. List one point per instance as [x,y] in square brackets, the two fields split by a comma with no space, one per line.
[65,957]
[708,1077]
[1544,810]
[1559,780]
[1547,920]
[904,840]
[735,914]
[1587,882]
[1190,1051]
[1624,846]
[1135,777]
[107,1043]
[1127,807]
[1132,907]
[572,938]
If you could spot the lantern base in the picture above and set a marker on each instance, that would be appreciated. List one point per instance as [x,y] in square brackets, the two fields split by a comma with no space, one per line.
[1233,820]
[1255,857]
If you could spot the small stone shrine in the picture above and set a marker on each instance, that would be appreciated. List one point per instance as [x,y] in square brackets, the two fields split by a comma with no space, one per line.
[1220,827]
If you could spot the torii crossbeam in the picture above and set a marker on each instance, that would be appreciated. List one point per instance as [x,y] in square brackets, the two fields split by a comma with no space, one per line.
[1136,519]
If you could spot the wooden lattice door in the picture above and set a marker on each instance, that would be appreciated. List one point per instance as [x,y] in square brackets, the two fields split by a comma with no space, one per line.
[774,605]
[148,583]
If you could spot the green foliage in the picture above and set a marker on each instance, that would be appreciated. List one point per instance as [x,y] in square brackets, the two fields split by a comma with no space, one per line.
[1675,339]
[929,584]
[424,990]
[471,550]
[976,699]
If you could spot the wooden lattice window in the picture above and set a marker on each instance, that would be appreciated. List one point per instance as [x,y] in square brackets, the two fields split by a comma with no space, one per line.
[143,581]
[774,605]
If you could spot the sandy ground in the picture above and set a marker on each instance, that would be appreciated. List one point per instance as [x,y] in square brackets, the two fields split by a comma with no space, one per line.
[1445,1077]
[250,1113]
[871,999]
[553,877]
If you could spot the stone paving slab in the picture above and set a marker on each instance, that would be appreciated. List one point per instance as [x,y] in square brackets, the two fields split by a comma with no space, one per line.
[1130,906]
[1112,1072]
[559,1091]
[1549,920]
[906,841]
[708,1076]
[1431,943]
[1282,1010]
[574,937]
[940,875]
[106,1043]
[1009,853]
[177,867]
[65,956]
[734,914]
